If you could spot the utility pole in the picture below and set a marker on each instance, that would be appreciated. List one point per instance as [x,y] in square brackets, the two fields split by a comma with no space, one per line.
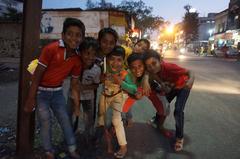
[29,45]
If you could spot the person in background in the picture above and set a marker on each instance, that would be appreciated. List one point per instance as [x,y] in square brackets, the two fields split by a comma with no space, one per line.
[56,62]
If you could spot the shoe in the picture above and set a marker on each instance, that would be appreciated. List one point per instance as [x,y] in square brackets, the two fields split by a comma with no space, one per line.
[74,155]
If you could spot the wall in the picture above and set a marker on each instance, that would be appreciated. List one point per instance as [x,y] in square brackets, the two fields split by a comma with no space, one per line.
[10,39]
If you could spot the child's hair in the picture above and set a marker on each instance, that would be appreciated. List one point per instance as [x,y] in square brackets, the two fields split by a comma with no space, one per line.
[89,42]
[133,57]
[145,41]
[73,22]
[105,31]
[117,51]
[152,54]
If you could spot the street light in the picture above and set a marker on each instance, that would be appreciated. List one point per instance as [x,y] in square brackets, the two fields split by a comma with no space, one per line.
[210,31]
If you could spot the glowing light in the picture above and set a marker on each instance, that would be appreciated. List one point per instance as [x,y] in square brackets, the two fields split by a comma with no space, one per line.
[170,29]
[181,57]
[210,31]
[182,50]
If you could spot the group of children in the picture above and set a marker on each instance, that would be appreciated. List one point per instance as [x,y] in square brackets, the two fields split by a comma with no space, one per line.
[122,78]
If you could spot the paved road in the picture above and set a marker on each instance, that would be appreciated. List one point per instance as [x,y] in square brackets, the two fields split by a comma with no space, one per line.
[212,120]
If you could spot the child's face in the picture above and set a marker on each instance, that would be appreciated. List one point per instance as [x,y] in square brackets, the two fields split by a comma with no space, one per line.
[88,57]
[107,43]
[153,65]
[137,68]
[115,63]
[72,37]
[140,47]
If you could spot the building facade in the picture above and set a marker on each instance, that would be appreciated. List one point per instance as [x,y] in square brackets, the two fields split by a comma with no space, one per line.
[206,27]
[234,15]
[94,20]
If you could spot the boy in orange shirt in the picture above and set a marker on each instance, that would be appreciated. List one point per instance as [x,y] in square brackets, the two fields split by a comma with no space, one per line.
[56,62]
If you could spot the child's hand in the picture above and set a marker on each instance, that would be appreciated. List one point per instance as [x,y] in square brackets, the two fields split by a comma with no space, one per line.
[189,84]
[146,88]
[76,111]
[102,78]
[138,95]
[30,105]
[167,87]
[117,79]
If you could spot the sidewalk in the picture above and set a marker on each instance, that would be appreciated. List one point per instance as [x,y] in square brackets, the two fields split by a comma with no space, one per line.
[10,62]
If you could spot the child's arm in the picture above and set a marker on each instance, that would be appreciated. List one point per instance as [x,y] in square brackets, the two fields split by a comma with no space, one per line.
[75,92]
[146,85]
[31,99]
[190,81]
[127,84]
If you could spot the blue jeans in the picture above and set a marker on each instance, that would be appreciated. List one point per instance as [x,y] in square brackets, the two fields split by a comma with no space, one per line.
[55,101]
[181,99]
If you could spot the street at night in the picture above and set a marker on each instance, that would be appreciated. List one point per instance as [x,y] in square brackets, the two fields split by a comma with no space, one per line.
[113,79]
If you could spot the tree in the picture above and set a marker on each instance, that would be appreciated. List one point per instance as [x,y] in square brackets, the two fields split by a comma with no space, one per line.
[142,13]
[90,4]
[190,24]
[102,4]
[12,15]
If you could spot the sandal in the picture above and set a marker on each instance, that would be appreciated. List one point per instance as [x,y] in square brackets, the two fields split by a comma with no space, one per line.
[119,155]
[178,145]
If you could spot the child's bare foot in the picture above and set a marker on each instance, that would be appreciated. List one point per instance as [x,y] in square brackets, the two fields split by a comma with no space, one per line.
[129,122]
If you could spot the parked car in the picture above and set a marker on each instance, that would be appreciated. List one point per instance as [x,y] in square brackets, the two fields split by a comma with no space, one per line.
[232,52]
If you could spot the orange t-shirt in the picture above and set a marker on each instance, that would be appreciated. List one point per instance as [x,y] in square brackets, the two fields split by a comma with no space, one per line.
[53,57]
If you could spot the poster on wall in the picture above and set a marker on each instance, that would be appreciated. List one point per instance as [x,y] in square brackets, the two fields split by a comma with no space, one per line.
[46,24]
[52,22]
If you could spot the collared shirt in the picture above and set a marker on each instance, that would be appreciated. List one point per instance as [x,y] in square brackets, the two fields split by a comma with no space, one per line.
[58,67]
[174,74]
